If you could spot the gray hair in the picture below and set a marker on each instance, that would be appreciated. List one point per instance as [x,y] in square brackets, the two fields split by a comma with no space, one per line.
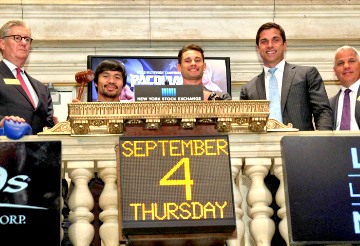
[4,30]
[347,47]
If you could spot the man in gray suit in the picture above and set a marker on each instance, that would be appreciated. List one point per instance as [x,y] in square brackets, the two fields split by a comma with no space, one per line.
[347,70]
[35,106]
[304,101]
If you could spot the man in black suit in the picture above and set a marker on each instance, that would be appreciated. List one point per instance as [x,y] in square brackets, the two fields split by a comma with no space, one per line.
[347,70]
[302,92]
[35,108]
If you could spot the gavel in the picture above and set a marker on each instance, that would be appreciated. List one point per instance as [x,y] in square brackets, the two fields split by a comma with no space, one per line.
[83,78]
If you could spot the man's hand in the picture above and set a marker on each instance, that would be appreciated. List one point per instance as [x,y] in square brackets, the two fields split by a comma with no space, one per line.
[75,100]
[206,94]
[11,117]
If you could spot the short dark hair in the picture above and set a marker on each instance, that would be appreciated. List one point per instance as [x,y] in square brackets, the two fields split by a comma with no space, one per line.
[267,26]
[190,47]
[110,65]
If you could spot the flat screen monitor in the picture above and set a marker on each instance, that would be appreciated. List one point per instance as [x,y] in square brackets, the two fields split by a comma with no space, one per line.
[322,189]
[158,70]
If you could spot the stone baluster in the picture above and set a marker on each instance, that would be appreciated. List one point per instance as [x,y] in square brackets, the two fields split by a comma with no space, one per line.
[280,200]
[81,202]
[240,227]
[262,228]
[108,201]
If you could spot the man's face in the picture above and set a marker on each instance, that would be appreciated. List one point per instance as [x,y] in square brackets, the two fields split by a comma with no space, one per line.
[271,47]
[16,53]
[347,67]
[192,67]
[110,84]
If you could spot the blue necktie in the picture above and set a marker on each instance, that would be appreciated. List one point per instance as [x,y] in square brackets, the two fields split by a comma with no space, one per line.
[345,116]
[274,97]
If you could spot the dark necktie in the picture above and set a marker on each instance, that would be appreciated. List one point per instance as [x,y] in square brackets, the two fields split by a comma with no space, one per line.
[274,97]
[23,85]
[345,116]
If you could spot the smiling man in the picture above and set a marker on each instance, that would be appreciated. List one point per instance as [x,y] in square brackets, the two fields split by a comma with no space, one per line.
[299,92]
[191,64]
[110,78]
[347,70]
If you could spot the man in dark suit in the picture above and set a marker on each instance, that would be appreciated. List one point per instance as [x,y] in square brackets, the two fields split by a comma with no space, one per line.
[34,107]
[301,95]
[304,101]
[347,70]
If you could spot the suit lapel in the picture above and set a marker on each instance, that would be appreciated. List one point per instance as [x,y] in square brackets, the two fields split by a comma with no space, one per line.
[260,86]
[5,71]
[357,108]
[35,86]
[8,74]
[288,76]
[335,108]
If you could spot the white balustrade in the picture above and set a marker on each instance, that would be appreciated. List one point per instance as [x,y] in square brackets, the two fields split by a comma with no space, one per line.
[81,202]
[252,157]
[262,228]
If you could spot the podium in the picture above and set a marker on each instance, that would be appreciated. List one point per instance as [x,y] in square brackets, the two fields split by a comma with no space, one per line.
[166,120]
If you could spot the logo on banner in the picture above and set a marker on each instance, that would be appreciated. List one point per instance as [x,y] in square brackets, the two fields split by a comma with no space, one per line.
[168,92]
[14,185]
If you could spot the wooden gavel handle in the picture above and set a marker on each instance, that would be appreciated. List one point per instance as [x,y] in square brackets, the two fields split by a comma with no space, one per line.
[81,90]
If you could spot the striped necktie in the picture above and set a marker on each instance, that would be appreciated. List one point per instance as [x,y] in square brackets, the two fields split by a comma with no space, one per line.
[274,97]
[24,86]
[345,116]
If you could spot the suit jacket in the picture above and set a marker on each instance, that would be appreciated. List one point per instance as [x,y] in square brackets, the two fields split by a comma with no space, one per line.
[303,97]
[334,105]
[14,101]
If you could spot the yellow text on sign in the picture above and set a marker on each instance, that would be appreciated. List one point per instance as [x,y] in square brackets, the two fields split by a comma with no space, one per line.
[195,147]
[187,181]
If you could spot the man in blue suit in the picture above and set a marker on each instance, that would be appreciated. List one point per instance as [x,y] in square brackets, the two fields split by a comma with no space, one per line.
[304,101]
[347,70]
[34,107]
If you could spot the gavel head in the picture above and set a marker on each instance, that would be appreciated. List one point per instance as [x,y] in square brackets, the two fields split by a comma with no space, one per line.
[84,76]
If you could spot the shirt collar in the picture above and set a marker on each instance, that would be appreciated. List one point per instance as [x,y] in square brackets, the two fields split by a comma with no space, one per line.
[280,66]
[12,66]
[353,87]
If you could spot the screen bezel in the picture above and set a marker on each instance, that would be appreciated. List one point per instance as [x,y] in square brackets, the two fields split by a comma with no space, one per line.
[90,65]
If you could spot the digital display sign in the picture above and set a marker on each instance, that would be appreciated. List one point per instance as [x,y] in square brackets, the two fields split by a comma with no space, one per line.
[179,184]
[322,188]
[159,70]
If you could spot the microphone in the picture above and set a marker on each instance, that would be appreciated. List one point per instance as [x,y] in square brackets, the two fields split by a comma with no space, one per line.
[83,78]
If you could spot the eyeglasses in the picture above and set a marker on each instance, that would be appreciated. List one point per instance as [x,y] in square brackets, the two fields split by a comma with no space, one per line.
[18,38]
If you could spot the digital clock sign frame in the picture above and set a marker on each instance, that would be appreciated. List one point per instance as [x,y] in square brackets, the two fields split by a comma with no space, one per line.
[175,185]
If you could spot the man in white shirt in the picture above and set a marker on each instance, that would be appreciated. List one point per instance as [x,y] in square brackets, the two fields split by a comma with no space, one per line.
[347,70]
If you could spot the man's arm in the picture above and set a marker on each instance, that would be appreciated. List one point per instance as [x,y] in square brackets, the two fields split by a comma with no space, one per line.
[320,106]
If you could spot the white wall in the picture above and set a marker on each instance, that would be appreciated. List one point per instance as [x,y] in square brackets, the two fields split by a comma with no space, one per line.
[66,31]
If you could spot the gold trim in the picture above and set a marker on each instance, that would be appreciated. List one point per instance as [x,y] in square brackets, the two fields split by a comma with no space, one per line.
[90,118]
